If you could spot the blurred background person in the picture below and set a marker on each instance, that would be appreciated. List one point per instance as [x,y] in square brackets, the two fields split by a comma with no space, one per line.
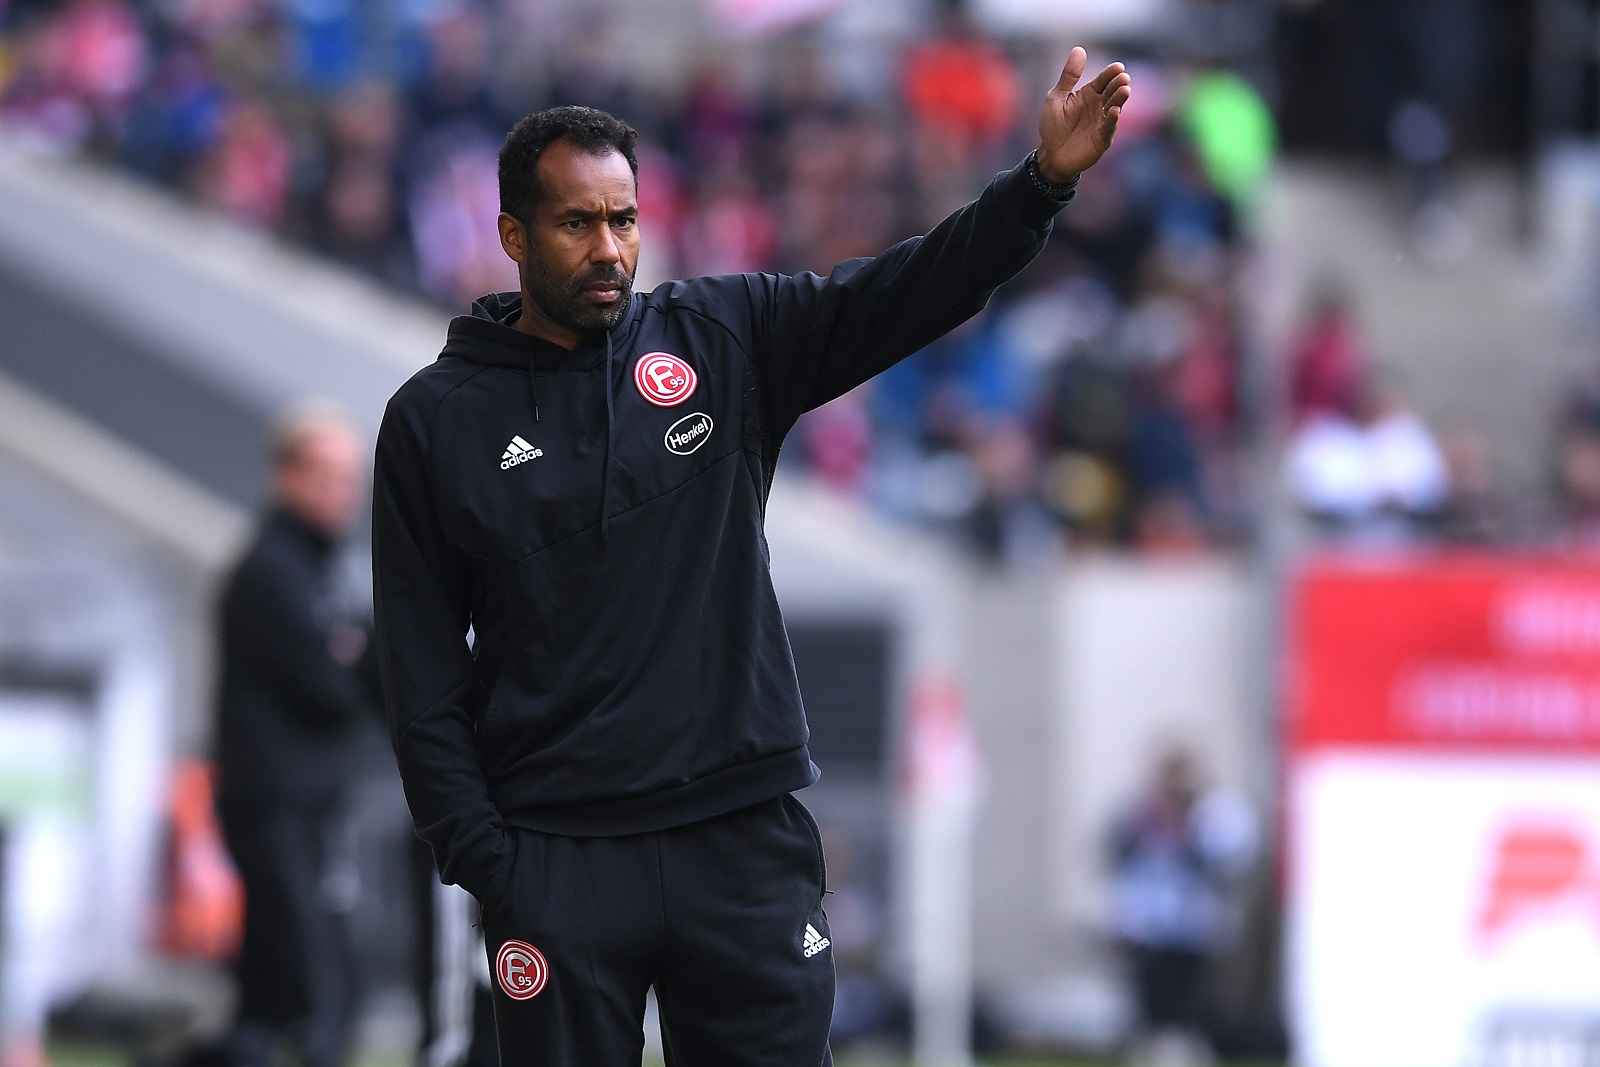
[1175,858]
[1370,470]
[296,681]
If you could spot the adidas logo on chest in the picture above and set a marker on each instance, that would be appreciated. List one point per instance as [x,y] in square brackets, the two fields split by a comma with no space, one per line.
[518,451]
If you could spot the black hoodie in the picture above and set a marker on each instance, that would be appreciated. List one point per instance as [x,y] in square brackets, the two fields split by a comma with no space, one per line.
[287,709]
[594,518]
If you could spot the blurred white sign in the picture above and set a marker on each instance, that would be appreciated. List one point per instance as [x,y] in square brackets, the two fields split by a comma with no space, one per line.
[1444,912]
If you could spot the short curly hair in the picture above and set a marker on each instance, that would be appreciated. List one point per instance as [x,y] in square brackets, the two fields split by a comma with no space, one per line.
[587,128]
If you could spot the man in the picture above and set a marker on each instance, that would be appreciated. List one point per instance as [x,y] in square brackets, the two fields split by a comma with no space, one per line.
[1176,859]
[291,697]
[580,479]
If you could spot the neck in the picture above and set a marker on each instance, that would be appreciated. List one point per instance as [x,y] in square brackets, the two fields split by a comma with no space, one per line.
[535,323]
[320,537]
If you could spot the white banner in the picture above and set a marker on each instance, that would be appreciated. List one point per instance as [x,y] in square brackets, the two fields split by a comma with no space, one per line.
[1444,911]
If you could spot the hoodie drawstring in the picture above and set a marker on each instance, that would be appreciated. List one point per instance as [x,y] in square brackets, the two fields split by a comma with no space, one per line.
[605,471]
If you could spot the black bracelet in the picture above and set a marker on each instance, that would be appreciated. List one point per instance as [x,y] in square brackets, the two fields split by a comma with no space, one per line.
[1062,192]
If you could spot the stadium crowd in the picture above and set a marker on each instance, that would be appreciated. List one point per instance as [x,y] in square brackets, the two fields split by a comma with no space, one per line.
[1098,397]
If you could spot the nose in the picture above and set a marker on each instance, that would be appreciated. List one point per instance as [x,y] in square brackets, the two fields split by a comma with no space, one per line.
[605,249]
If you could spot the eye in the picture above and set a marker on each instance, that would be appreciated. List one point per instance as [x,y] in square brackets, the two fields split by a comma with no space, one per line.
[573,224]
[624,221]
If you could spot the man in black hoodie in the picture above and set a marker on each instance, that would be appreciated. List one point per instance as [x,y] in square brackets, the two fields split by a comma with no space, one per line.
[580,482]
[291,697]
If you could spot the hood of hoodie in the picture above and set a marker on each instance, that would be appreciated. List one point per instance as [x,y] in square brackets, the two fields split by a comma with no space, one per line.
[489,335]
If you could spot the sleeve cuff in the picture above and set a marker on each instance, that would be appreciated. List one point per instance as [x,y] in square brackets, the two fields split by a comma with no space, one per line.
[1025,201]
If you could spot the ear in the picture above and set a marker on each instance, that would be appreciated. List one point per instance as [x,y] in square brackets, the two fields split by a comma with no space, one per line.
[513,238]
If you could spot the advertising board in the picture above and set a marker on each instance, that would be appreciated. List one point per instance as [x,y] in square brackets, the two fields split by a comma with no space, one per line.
[1442,825]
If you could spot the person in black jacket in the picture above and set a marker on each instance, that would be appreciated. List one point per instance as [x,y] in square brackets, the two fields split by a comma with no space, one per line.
[291,698]
[579,481]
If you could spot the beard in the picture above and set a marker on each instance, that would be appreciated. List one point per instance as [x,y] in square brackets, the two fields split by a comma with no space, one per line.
[561,299]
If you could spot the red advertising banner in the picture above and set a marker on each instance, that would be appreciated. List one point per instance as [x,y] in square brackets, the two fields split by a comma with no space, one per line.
[1456,652]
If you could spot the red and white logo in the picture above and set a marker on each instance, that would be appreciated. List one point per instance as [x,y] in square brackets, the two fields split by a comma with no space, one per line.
[1540,864]
[664,379]
[521,969]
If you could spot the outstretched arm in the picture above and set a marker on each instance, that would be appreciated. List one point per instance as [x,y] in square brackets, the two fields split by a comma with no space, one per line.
[816,338]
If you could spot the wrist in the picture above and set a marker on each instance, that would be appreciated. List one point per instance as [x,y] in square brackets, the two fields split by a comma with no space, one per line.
[1057,186]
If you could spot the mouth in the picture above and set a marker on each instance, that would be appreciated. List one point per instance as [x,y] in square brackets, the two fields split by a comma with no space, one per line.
[606,292]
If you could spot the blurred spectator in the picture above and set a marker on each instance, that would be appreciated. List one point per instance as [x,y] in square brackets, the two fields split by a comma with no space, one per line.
[731,229]
[1089,416]
[1476,511]
[296,680]
[1175,857]
[1372,473]
[246,173]
[323,41]
[361,222]
[178,116]
[1163,459]
[719,122]
[78,72]
[961,88]
[457,87]
[455,200]
[1106,237]
[1577,465]
[1329,360]
[1578,473]
[838,443]
[1007,523]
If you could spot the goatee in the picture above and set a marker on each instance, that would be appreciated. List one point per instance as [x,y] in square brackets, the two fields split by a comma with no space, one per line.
[562,301]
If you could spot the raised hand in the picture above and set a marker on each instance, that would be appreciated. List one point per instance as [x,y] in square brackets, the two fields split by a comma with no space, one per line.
[1077,124]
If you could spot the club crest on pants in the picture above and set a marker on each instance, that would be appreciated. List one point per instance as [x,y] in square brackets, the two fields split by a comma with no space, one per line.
[521,970]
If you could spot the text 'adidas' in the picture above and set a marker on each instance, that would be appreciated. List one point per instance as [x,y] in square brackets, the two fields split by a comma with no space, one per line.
[814,942]
[519,451]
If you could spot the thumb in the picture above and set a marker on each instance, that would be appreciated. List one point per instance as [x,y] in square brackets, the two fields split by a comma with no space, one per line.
[1077,60]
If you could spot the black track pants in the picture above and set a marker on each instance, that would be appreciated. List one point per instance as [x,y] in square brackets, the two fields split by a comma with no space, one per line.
[296,967]
[723,917]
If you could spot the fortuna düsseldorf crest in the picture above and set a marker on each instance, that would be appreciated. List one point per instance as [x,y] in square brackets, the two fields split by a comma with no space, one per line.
[521,970]
[664,379]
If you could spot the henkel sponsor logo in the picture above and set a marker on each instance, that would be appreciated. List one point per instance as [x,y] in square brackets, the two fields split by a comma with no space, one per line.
[1536,865]
[688,433]
[664,379]
[521,970]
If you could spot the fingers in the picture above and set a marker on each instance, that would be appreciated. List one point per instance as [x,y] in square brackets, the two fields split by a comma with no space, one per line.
[1115,74]
[1077,60]
[1119,96]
